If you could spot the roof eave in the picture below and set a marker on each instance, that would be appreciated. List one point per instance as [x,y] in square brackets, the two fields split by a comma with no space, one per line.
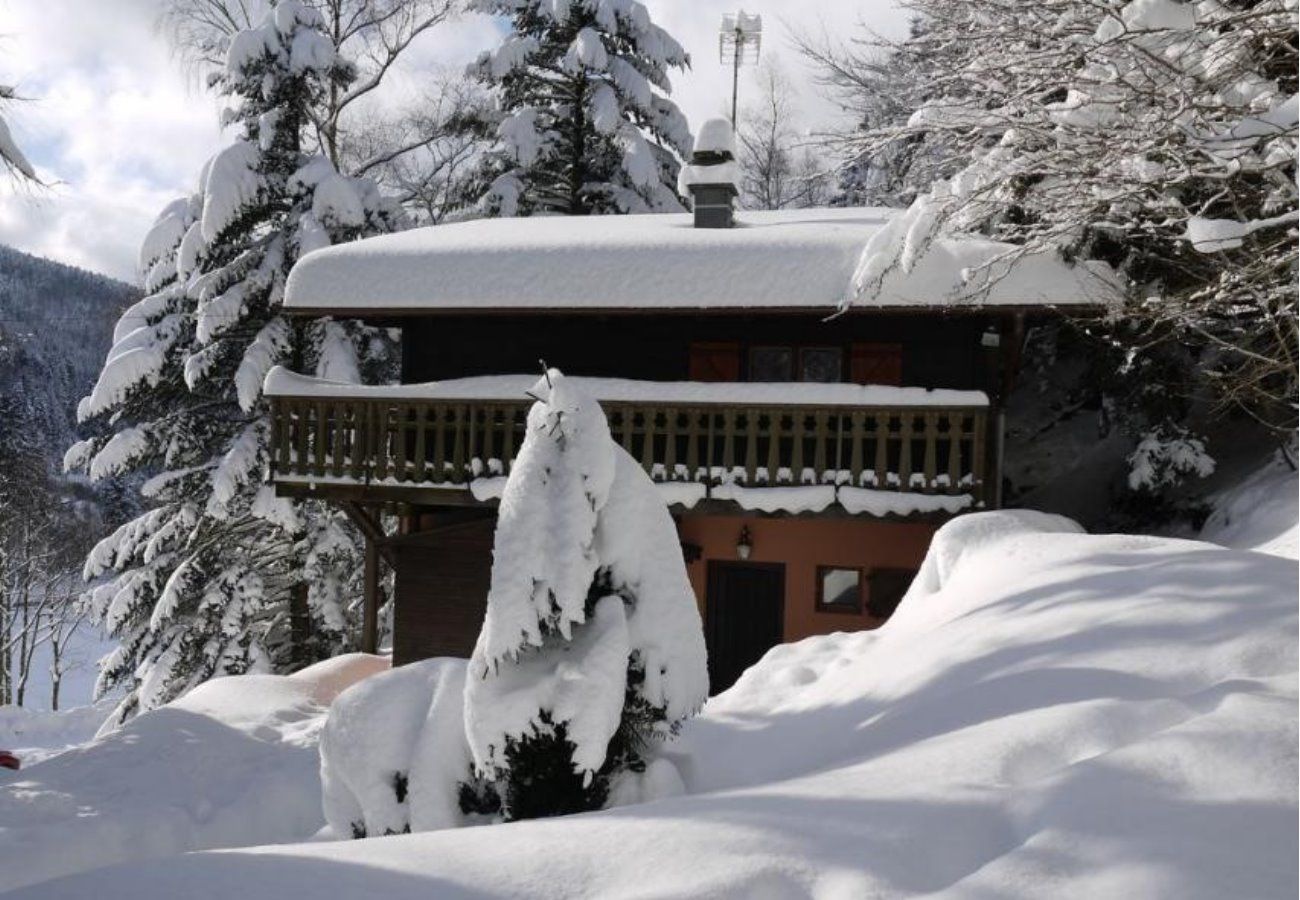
[410,312]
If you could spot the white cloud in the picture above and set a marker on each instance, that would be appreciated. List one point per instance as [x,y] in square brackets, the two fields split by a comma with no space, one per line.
[114,126]
[119,129]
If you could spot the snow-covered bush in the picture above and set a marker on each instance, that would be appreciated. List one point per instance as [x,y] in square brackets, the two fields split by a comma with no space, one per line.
[1165,457]
[592,650]
[393,752]
[585,124]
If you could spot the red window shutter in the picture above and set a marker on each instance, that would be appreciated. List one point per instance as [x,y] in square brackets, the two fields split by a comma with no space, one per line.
[715,361]
[876,364]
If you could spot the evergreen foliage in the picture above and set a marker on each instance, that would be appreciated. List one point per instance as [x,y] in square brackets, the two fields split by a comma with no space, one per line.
[199,584]
[592,651]
[1156,135]
[584,122]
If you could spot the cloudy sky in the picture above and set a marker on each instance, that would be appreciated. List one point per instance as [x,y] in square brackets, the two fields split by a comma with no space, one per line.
[118,128]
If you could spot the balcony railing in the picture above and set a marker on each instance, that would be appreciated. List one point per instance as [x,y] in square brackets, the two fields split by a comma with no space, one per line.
[409,443]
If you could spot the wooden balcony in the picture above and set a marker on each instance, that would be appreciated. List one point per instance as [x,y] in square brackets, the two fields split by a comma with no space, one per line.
[387,448]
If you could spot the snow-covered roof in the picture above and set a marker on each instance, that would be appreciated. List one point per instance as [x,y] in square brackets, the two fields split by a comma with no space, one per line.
[787,259]
[281,382]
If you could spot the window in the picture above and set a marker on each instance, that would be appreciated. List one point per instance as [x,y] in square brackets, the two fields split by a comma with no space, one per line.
[885,588]
[824,365]
[839,589]
[818,364]
[771,364]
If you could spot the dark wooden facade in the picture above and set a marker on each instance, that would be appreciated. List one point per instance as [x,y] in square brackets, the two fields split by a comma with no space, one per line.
[408,456]
[939,350]
[441,576]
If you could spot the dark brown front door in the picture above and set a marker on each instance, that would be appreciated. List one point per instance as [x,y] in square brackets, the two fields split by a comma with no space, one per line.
[743,617]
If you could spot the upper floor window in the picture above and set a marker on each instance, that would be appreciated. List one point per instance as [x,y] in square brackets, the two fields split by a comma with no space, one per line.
[858,363]
[819,364]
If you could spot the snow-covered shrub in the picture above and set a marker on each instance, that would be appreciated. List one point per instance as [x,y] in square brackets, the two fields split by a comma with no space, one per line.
[393,751]
[1166,457]
[592,649]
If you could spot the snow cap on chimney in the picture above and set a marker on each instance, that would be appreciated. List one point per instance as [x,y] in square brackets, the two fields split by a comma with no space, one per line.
[712,176]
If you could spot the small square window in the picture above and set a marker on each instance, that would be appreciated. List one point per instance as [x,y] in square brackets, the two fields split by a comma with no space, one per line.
[823,365]
[771,364]
[839,589]
[885,589]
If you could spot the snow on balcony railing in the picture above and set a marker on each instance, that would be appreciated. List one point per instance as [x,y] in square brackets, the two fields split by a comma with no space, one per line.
[740,442]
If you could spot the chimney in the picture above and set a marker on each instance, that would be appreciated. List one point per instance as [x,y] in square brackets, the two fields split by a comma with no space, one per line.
[712,174]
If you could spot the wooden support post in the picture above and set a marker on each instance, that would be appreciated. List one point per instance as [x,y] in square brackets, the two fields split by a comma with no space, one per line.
[370,608]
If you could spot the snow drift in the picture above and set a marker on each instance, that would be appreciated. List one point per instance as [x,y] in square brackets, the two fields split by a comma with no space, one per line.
[231,763]
[1049,713]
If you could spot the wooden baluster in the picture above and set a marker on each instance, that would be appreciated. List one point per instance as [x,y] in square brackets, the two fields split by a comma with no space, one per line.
[471,440]
[882,449]
[839,443]
[320,442]
[956,425]
[751,445]
[931,465]
[856,436]
[421,473]
[670,443]
[336,442]
[355,442]
[774,428]
[399,441]
[647,438]
[490,442]
[458,444]
[626,415]
[280,423]
[978,468]
[509,416]
[905,452]
[728,442]
[438,465]
[692,444]
[821,432]
[798,425]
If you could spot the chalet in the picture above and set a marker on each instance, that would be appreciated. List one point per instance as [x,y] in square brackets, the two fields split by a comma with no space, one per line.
[806,457]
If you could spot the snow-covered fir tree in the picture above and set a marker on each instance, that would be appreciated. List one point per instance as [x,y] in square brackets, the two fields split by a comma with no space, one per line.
[1157,135]
[584,121]
[201,583]
[12,157]
[592,648]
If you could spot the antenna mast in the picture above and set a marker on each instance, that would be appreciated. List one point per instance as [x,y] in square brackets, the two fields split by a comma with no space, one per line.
[740,40]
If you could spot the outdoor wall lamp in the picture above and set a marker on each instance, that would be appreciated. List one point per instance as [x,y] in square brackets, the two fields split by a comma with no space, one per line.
[745,543]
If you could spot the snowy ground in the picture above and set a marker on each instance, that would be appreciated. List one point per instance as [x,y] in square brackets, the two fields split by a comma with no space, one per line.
[1259,512]
[230,764]
[1048,714]
[36,735]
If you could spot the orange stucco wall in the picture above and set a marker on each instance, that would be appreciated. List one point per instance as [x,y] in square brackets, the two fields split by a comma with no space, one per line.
[803,545]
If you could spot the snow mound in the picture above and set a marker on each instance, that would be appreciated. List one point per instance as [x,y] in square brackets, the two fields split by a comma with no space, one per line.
[1260,513]
[34,735]
[231,763]
[1052,713]
[393,751]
